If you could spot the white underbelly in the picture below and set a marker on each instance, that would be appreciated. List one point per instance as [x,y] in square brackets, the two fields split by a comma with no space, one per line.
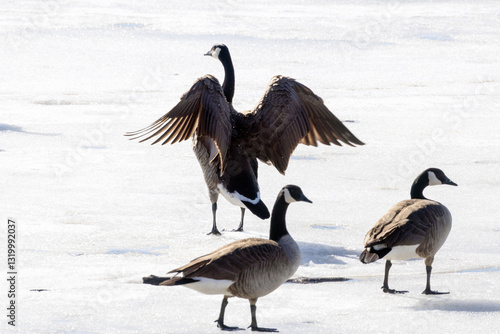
[211,286]
[402,253]
[236,198]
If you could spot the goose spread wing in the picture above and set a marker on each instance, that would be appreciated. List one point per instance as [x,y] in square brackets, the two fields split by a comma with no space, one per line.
[407,223]
[289,114]
[229,261]
[204,109]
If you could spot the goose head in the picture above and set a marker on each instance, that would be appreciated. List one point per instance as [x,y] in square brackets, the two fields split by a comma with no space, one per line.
[429,177]
[292,193]
[219,51]
[436,176]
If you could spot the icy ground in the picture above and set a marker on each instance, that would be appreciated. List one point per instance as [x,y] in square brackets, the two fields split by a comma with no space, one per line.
[419,82]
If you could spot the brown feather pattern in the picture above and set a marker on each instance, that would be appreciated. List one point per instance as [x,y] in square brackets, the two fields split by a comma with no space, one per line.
[413,222]
[229,261]
[289,113]
[202,109]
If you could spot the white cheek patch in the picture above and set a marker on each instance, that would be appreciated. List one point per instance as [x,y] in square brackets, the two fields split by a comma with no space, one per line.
[288,198]
[433,180]
[215,54]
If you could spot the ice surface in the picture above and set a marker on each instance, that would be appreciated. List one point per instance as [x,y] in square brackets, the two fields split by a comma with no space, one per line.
[419,82]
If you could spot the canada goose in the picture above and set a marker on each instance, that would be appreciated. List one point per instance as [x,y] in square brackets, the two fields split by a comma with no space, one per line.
[248,268]
[414,228]
[227,143]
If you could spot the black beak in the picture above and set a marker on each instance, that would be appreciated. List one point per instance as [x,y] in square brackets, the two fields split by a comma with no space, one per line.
[305,199]
[209,53]
[451,183]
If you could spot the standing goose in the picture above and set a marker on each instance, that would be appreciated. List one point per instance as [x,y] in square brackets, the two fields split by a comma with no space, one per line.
[415,228]
[227,143]
[248,268]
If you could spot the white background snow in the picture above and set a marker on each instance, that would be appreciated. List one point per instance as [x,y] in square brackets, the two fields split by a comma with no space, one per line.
[97,212]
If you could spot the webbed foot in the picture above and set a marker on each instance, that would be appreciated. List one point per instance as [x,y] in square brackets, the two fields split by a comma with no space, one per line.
[430,292]
[261,329]
[227,328]
[214,231]
[387,290]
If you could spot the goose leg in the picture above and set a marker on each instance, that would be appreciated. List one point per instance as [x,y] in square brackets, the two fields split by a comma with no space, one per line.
[220,321]
[254,326]
[385,287]
[240,228]
[214,231]
[428,290]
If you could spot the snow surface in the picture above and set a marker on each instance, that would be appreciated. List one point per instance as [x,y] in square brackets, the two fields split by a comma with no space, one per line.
[419,81]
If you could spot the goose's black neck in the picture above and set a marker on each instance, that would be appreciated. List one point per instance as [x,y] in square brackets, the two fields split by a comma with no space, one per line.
[418,187]
[278,223]
[228,85]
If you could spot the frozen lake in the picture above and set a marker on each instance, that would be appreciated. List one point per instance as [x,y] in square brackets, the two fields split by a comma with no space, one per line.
[417,81]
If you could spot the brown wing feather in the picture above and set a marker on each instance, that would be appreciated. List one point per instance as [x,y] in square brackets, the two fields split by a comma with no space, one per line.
[289,114]
[230,260]
[203,109]
[407,223]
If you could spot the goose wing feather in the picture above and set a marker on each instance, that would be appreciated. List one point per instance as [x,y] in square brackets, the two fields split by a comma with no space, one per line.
[407,223]
[229,261]
[204,109]
[288,114]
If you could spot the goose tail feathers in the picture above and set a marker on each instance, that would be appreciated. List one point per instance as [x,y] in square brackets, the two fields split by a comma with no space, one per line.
[259,209]
[178,281]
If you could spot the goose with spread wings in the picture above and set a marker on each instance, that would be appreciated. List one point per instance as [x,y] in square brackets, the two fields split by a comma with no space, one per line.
[228,143]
